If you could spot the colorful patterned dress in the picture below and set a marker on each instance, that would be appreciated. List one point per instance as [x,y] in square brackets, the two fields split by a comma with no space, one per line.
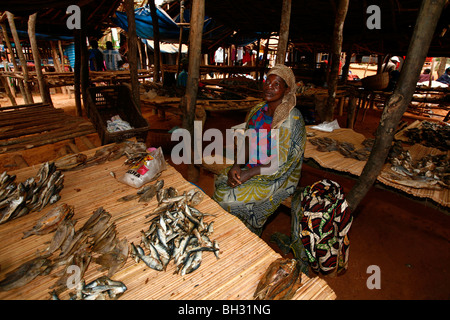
[256,199]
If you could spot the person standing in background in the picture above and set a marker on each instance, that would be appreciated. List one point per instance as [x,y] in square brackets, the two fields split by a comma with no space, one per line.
[112,57]
[425,76]
[96,61]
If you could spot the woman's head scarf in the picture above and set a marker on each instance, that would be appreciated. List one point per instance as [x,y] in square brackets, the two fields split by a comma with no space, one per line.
[289,100]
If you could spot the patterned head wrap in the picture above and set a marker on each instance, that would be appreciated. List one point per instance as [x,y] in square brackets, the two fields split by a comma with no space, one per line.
[289,100]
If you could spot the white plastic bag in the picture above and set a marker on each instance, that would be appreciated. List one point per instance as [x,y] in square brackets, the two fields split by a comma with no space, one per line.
[146,169]
[327,126]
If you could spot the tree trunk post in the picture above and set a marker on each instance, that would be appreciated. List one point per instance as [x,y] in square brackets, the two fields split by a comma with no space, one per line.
[180,39]
[28,96]
[336,49]
[133,52]
[43,87]
[398,102]
[16,67]
[77,73]
[156,49]
[189,100]
[284,31]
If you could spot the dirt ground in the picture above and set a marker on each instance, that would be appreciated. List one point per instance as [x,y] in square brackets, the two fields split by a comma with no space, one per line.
[406,238]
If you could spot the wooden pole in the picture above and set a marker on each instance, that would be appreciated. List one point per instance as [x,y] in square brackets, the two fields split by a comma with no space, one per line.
[28,96]
[156,49]
[56,61]
[336,48]
[398,102]
[16,67]
[284,31]
[84,74]
[264,64]
[77,73]
[5,84]
[43,86]
[188,102]
[132,52]
[180,40]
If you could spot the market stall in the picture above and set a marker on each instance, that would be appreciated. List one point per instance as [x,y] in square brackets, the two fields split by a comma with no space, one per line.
[243,257]
[347,151]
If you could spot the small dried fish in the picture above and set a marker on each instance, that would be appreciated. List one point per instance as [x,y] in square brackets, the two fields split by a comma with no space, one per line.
[280,281]
[70,161]
[24,273]
[148,194]
[50,221]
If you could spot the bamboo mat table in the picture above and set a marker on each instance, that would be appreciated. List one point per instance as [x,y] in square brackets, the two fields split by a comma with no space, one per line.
[244,257]
[336,161]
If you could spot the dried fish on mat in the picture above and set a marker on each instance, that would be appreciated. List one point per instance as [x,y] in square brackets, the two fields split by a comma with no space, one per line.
[102,288]
[70,161]
[145,193]
[177,232]
[281,281]
[429,172]
[134,151]
[25,273]
[96,240]
[50,221]
[34,194]
[431,134]
[347,149]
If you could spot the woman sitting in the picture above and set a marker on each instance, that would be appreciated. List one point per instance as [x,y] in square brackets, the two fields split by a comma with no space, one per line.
[253,189]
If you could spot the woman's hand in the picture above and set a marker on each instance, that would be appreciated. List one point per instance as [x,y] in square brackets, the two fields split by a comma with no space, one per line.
[234,176]
[246,175]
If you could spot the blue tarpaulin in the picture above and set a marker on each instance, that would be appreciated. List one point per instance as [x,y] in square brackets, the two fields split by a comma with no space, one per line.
[168,29]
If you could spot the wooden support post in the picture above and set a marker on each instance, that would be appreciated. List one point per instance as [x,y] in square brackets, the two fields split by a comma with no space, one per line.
[5,84]
[346,68]
[266,51]
[84,61]
[77,73]
[156,50]
[336,49]
[16,67]
[284,31]
[398,102]
[180,39]
[56,61]
[132,52]
[351,108]
[188,102]
[43,86]
[28,96]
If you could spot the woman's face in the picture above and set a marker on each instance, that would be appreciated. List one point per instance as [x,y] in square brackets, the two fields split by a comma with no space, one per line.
[274,88]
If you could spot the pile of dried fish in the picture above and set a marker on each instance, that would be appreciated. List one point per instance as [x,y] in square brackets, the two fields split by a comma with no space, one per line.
[102,288]
[347,149]
[96,240]
[280,281]
[134,151]
[17,200]
[177,233]
[431,171]
[431,134]
[145,193]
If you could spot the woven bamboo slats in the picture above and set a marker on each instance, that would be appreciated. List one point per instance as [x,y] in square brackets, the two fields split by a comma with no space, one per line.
[244,256]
